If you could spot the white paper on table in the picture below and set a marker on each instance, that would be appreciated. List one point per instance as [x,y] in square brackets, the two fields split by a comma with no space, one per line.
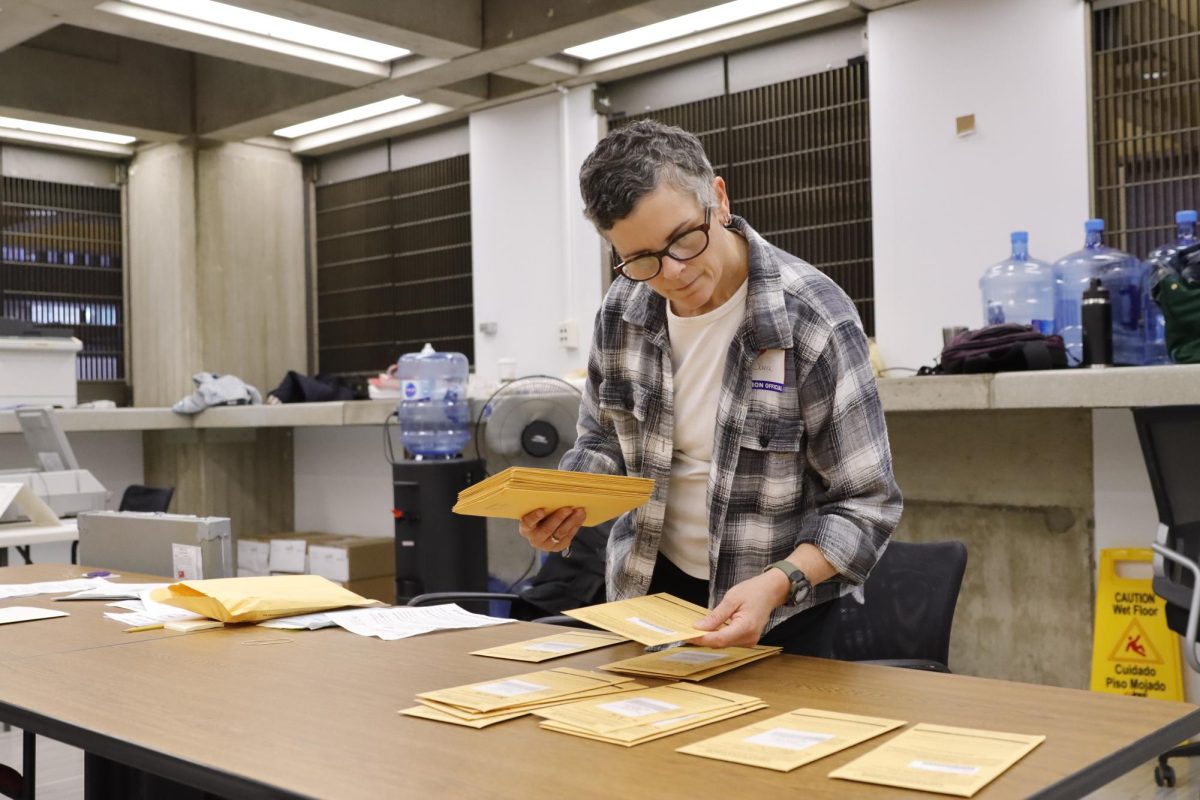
[161,612]
[128,605]
[402,622]
[300,622]
[133,618]
[106,590]
[27,614]
[45,587]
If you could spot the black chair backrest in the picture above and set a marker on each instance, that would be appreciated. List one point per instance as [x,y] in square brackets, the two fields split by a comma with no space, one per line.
[146,498]
[910,598]
[1170,439]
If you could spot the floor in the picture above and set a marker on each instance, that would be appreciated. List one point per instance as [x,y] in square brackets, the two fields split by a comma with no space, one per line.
[60,774]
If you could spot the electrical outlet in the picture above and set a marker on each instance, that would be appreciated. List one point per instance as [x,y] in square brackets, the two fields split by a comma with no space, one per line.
[568,334]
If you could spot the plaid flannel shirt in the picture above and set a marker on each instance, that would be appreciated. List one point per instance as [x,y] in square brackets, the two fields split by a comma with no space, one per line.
[810,464]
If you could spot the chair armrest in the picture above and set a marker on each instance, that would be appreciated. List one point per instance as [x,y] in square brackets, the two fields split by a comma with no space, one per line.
[908,663]
[435,598]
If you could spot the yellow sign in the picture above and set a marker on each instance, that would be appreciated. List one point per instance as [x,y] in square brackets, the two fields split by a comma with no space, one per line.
[1133,650]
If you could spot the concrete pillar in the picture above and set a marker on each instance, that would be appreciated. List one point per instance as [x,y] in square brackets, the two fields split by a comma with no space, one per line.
[217,284]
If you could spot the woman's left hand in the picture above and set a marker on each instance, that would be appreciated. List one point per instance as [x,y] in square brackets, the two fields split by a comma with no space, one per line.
[746,608]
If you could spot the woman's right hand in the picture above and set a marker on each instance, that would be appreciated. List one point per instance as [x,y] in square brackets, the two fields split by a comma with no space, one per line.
[552,531]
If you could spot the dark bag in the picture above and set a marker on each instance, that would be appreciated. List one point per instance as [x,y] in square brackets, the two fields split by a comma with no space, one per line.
[1002,348]
[574,582]
[297,388]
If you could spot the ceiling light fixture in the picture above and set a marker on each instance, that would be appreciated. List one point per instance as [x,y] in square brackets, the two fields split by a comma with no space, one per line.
[668,29]
[346,117]
[65,131]
[253,28]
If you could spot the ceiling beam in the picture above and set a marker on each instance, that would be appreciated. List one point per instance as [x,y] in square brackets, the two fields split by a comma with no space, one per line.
[20,22]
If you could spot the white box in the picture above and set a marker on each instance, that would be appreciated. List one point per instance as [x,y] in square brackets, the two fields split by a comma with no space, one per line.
[38,371]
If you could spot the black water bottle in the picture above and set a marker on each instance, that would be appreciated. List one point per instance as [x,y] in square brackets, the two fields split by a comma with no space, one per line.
[1097,326]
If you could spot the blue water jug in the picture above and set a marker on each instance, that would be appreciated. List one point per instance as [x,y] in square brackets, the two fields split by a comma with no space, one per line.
[1125,279]
[1019,289]
[434,414]
[1156,329]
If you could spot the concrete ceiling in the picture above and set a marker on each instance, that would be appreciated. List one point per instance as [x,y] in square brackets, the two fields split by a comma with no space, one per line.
[72,62]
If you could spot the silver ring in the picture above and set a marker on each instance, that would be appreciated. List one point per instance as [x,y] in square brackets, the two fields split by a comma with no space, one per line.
[555,539]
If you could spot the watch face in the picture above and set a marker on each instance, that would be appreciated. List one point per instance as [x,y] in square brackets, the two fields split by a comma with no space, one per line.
[800,591]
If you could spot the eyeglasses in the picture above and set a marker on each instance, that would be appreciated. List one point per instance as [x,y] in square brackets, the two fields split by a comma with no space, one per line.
[683,247]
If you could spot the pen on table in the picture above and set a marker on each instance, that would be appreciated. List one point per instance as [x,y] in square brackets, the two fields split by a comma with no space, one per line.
[140,628]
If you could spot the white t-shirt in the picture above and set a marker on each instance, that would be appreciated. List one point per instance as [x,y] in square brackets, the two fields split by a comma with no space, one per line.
[699,346]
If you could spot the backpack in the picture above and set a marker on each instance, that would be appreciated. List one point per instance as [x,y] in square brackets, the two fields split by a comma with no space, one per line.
[1008,347]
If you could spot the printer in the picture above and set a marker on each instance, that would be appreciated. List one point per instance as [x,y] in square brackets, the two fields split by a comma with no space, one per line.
[57,479]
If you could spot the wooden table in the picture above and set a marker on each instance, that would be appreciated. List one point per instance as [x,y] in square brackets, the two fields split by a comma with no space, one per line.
[254,712]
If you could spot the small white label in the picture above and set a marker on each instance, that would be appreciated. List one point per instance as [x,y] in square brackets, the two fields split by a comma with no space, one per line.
[936,766]
[650,625]
[789,739]
[510,688]
[691,657]
[666,723]
[187,563]
[766,374]
[552,647]
[638,707]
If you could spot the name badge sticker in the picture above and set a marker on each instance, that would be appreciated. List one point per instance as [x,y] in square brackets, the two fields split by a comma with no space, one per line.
[766,374]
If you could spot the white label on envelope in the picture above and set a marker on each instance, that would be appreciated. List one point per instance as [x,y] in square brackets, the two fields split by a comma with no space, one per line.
[638,707]
[935,766]
[510,688]
[766,374]
[689,657]
[552,647]
[187,563]
[649,625]
[789,739]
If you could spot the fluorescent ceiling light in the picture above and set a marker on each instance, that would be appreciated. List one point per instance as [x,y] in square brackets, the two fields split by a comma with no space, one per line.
[674,28]
[346,117]
[224,21]
[65,131]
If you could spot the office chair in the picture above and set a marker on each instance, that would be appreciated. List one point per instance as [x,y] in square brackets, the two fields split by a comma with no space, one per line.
[908,611]
[1170,439]
[138,498]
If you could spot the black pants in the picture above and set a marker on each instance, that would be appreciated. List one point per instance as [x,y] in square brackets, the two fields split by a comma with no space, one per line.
[800,635]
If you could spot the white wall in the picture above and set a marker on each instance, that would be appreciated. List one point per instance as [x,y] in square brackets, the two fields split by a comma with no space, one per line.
[536,260]
[943,206]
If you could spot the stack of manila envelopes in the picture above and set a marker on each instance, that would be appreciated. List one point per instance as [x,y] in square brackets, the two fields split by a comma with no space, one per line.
[544,648]
[652,620]
[646,714]
[791,740]
[478,705]
[516,491]
[691,663]
[937,758]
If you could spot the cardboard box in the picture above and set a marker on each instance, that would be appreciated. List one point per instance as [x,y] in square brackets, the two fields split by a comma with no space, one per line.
[253,556]
[382,588]
[353,558]
[287,551]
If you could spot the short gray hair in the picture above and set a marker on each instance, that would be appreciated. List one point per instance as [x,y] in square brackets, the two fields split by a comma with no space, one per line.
[633,161]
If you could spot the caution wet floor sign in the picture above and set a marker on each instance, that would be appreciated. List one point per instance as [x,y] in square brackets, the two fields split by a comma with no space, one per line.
[1133,651]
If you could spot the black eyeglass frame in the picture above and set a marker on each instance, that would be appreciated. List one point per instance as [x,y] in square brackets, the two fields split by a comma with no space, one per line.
[619,265]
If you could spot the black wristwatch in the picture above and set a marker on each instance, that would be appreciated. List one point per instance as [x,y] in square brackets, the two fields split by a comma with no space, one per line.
[800,588]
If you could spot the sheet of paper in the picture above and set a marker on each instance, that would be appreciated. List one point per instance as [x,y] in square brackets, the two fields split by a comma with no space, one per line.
[791,740]
[300,622]
[544,648]
[133,618]
[652,620]
[28,503]
[934,758]
[10,590]
[27,614]
[187,562]
[401,622]
[161,612]
[107,590]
